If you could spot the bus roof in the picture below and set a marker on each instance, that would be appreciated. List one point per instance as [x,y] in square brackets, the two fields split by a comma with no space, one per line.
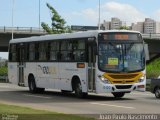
[82,34]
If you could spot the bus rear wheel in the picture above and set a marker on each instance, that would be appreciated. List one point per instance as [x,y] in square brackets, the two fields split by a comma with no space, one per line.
[118,94]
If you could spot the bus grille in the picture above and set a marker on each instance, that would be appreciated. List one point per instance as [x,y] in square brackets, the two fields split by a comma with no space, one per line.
[123,81]
[123,76]
[123,86]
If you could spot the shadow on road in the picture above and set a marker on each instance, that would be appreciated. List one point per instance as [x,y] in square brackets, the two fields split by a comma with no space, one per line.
[23,96]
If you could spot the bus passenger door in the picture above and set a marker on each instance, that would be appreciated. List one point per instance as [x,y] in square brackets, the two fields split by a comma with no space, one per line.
[21,65]
[91,66]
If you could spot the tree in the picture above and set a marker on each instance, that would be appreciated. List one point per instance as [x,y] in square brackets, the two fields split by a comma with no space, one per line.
[124,28]
[58,23]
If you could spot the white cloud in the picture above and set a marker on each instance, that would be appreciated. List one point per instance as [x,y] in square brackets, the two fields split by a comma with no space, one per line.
[125,12]
[84,17]
[157,15]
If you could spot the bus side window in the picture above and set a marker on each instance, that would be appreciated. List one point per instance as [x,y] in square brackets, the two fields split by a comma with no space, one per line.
[43,48]
[54,50]
[13,52]
[63,52]
[26,49]
[79,50]
[31,51]
[70,56]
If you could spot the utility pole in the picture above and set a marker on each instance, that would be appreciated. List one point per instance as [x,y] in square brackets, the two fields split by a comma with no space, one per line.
[39,15]
[12,16]
[99,19]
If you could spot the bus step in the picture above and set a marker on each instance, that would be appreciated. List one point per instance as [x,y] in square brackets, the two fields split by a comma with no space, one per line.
[21,84]
[92,91]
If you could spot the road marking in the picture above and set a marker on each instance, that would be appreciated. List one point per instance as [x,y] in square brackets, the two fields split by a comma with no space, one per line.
[102,104]
[4,86]
[37,96]
[142,93]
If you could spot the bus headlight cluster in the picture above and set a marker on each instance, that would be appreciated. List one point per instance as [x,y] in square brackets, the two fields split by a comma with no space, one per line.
[104,80]
[141,79]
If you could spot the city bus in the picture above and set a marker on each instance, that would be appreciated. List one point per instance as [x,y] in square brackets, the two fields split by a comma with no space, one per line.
[81,62]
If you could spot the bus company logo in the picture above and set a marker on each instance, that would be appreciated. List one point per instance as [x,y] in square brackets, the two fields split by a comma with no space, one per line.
[123,81]
[47,69]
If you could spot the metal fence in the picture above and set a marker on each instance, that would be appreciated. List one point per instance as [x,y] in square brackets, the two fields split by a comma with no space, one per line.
[151,36]
[22,30]
[3,79]
[33,30]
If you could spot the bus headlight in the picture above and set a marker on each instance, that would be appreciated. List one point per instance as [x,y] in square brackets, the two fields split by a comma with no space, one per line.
[104,80]
[141,79]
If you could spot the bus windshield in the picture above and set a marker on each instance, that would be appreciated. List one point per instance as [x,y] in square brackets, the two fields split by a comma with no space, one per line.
[121,57]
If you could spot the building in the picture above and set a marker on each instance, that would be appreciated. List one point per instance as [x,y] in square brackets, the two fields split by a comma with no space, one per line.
[147,27]
[114,24]
[106,25]
[139,26]
[151,26]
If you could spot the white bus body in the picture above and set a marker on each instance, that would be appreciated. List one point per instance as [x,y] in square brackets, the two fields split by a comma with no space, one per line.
[48,67]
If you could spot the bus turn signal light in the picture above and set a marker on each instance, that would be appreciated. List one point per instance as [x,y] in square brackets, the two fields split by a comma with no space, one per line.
[141,86]
[80,65]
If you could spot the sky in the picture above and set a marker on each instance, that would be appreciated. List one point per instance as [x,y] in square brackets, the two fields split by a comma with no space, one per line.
[76,12]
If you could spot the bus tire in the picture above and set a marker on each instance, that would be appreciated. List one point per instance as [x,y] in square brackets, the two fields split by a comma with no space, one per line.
[78,90]
[157,92]
[118,94]
[32,86]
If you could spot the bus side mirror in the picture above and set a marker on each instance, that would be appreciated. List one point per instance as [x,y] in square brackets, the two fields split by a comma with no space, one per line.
[146,51]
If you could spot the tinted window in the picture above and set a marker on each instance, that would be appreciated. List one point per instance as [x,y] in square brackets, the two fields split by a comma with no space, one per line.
[43,48]
[54,50]
[32,51]
[13,52]
[72,50]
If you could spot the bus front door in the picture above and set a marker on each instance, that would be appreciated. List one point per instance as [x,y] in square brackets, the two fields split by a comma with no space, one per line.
[21,65]
[91,68]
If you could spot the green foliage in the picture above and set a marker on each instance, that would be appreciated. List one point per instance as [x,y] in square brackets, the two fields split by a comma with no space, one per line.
[153,69]
[25,113]
[3,71]
[124,28]
[58,23]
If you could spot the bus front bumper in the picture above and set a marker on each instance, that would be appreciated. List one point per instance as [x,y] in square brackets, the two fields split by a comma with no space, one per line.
[109,88]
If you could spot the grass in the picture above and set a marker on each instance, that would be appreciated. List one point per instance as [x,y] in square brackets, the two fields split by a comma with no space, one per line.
[25,113]
[153,69]
[3,71]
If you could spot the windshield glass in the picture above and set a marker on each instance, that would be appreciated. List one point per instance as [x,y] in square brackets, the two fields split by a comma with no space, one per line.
[121,57]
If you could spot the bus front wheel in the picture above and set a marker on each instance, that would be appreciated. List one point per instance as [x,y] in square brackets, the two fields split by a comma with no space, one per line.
[118,94]
[32,86]
[78,90]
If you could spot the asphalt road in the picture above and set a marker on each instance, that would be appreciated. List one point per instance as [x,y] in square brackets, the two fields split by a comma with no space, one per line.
[135,102]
